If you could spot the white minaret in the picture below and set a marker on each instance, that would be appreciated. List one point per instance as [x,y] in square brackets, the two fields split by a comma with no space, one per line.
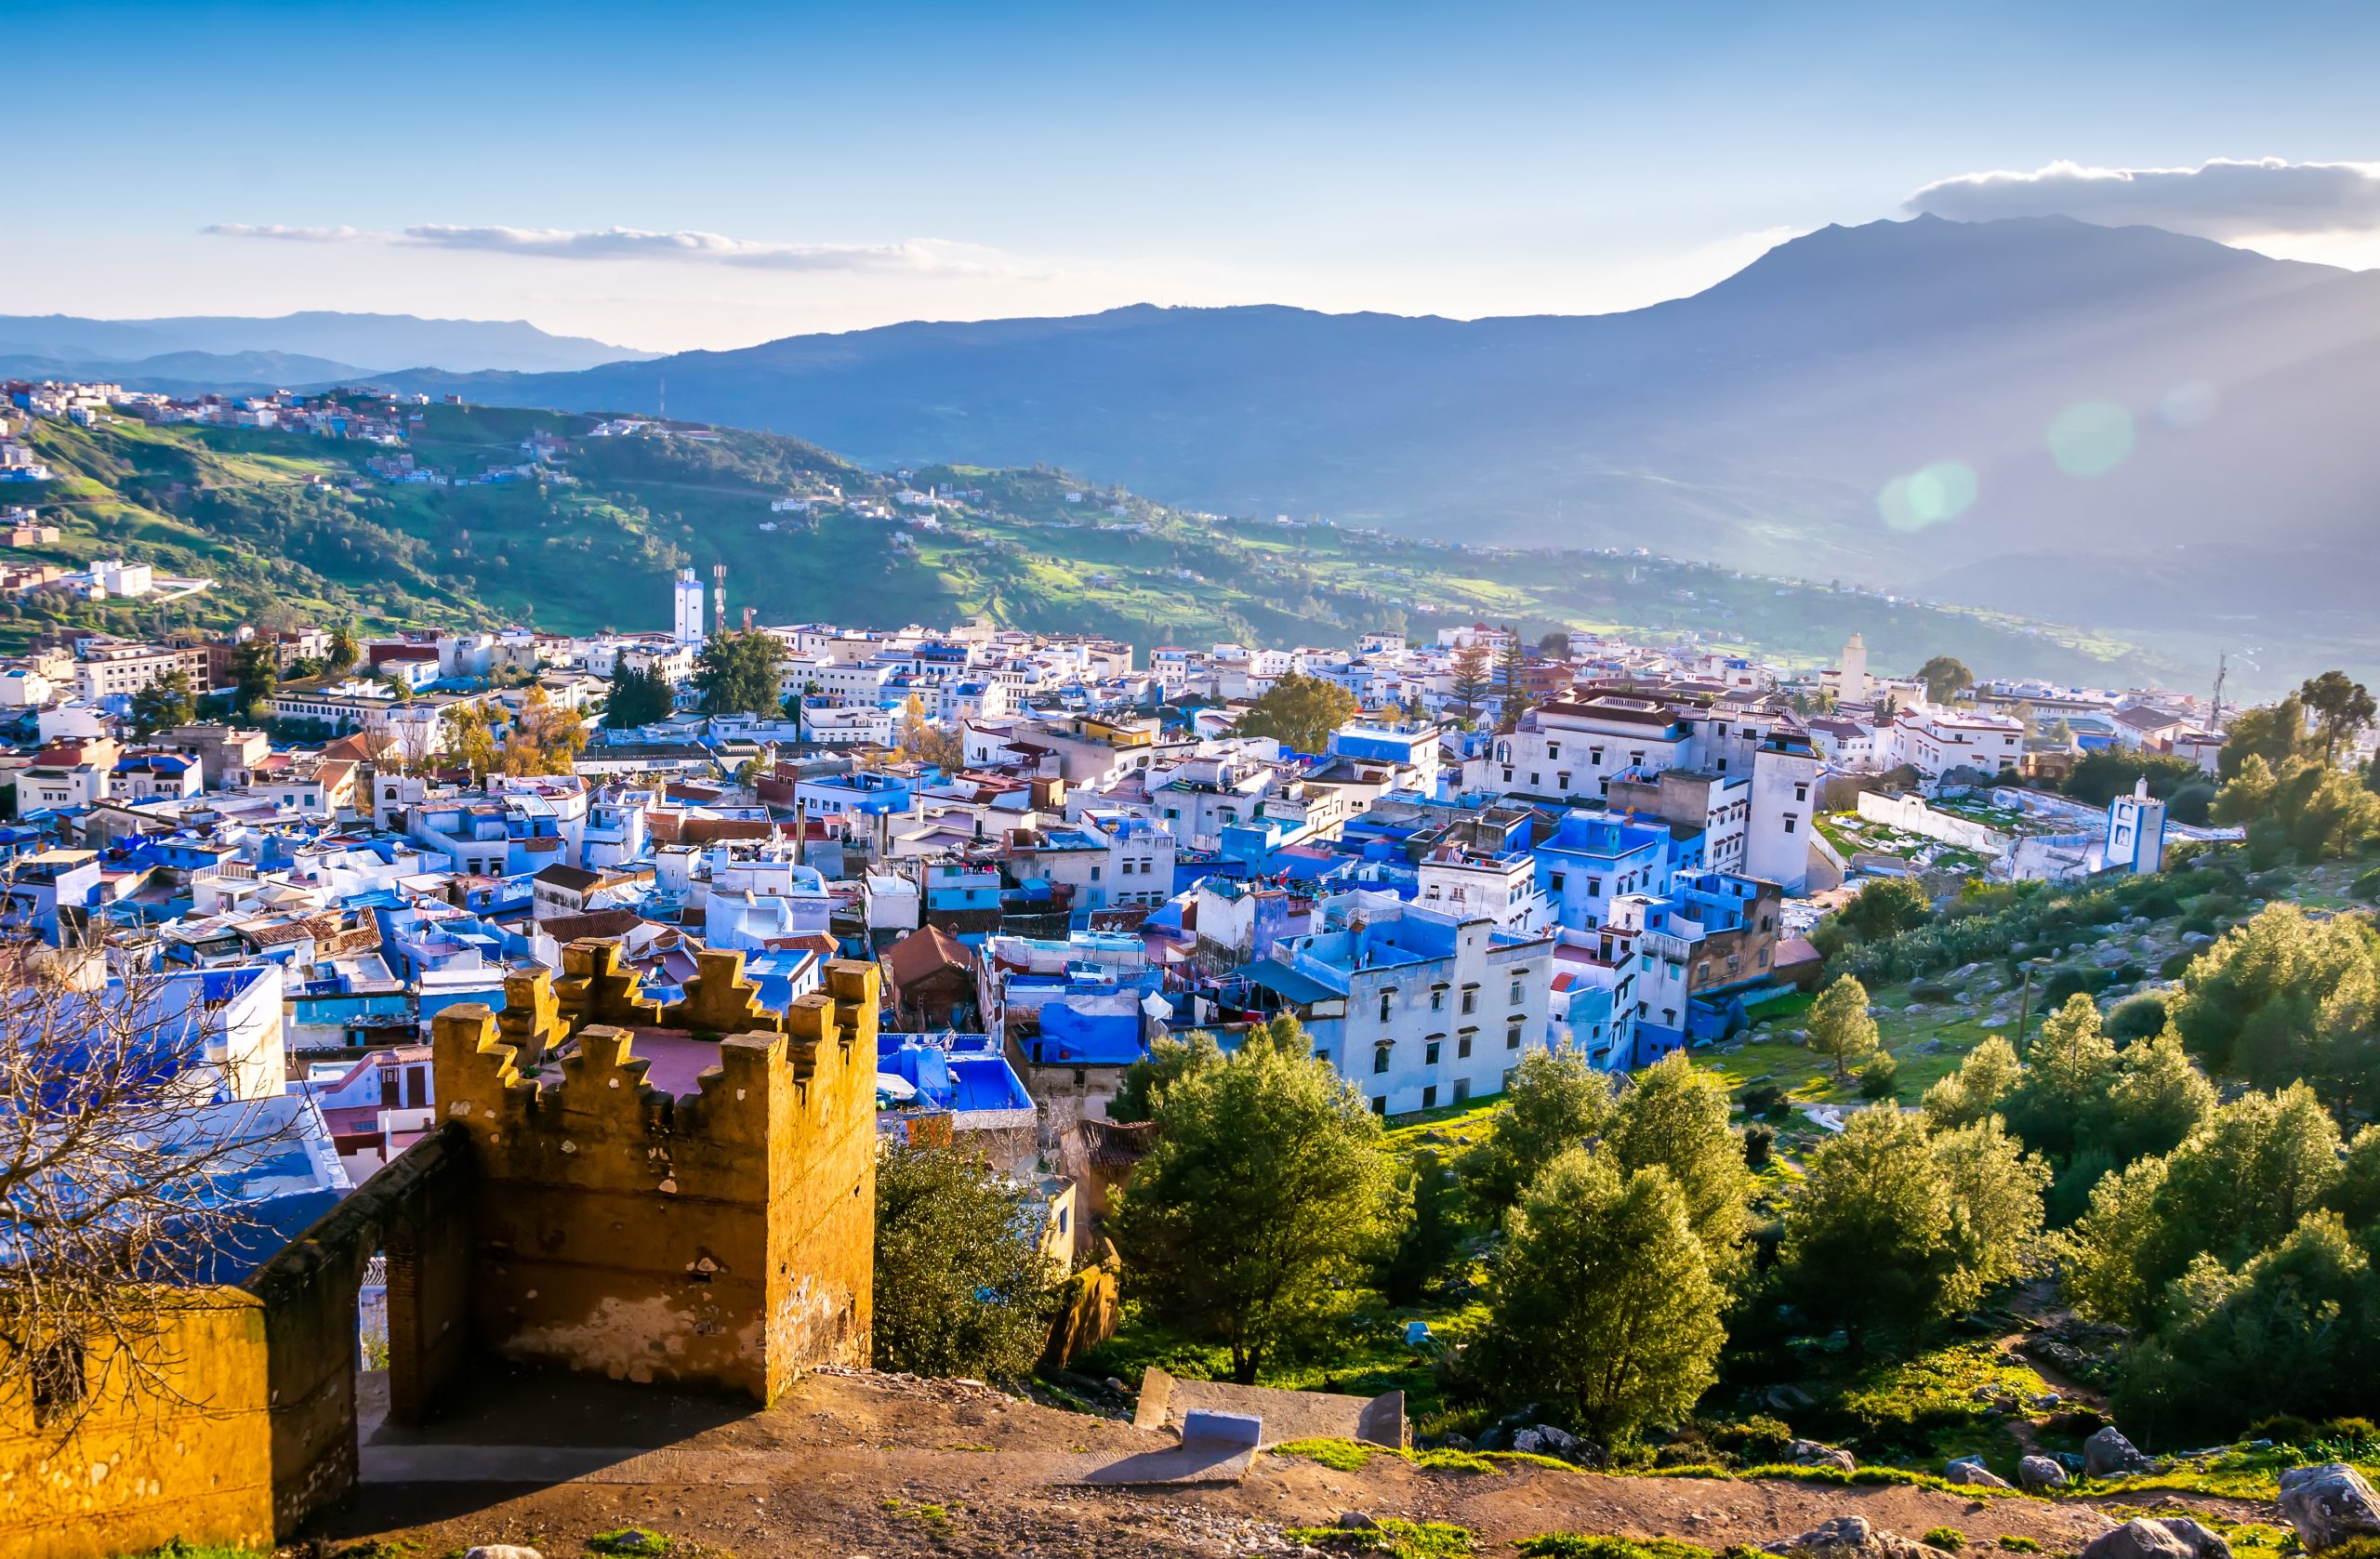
[689,597]
[1855,671]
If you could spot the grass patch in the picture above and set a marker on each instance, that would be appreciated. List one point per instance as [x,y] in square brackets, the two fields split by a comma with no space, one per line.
[1340,1456]
[180,1548]
[1353,1456]
[1398,1539]
[1948,1539]
[934,1516]
[631,1542]
[1799,1473]
[1572,1545]
[2236,1474]
[2019,1545]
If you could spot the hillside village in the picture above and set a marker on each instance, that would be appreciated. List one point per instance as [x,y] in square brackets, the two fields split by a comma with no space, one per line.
[568,1001]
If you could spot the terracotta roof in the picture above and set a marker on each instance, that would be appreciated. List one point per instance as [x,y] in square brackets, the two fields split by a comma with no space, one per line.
[600,923]
[925,952]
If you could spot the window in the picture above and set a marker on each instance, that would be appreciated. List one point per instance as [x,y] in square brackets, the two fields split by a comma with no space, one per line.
[1379,1059]
[1430,1053]
[1429,1097]
[1553,882]
[1437,999]
[1462,1045]
[1379,1106]
[1595,754]
[1470,999]
[1562,780]
[1094,874]
[1386,999]
[1594,887]
[1508,776]
[1461,1090]
[1513,1035]
[1518,986]
[1788,822]
[1802,791]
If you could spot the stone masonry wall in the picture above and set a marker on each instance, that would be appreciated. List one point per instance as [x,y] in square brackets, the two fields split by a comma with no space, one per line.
[722,1239]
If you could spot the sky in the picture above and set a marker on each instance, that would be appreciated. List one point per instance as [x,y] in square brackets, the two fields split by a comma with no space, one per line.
[710,176]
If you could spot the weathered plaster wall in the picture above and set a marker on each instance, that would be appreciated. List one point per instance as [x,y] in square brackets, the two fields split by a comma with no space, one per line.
[145,1464]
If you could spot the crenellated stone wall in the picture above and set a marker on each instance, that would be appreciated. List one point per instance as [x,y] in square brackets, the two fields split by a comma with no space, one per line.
[724,1238]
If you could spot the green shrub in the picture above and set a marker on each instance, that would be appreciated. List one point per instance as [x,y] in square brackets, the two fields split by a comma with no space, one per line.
[1762,1097]
[1946,1537]
[2061,985]
[1340,1456]
[2282,1429]
[1570,1545]
[2368,885]
[1398,1539]
[2021,1545]
[2136,1017]
[2176,965]
[2351,1432]
[631,1542]
[1881,1077]
[1759,1144]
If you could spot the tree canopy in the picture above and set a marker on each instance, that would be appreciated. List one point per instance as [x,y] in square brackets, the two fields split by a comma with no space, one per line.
[1299,711]
[1896,1225]
[1604,1301]
[1945,677]
[736,673]
[637,698]
[164,704]
[1841,1029]
[963,1287]
[1556,1101]
[1265,1199]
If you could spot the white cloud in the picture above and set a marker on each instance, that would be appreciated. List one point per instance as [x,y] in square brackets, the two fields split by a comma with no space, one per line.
[294,235]
[2222,199]
[916,255]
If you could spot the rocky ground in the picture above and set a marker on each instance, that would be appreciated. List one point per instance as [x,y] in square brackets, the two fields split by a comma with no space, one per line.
[877,1466]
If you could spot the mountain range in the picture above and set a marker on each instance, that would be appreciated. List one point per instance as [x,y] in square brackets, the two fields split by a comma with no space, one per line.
[233,352]
[2103,424]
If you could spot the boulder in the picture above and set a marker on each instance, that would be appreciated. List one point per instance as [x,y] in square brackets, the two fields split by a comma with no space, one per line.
[1974,1473]
[1850,1537]
[1557,1442]
[2329,1504]
[2107,1453]
[2037,1472]
[1786,1398]
[1813,1453]
[2172,1537]
[502,1551]
[1356,1520]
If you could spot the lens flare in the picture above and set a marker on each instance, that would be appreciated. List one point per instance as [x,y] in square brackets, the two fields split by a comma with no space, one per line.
[2091,439]
[1942,490]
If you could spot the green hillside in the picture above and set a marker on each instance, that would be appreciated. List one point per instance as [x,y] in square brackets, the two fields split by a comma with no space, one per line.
[272,516]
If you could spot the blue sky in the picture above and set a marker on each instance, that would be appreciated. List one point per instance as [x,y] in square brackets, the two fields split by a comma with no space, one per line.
[698,175]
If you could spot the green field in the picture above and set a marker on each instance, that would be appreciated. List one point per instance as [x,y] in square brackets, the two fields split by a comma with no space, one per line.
[267,515]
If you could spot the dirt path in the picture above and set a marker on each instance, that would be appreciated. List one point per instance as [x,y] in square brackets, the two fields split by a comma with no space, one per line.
[876,1466]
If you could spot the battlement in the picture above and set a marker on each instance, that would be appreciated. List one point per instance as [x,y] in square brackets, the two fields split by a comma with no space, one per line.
[723,1237]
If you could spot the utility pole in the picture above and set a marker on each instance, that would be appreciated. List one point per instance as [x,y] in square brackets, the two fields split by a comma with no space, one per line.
[2222,670]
